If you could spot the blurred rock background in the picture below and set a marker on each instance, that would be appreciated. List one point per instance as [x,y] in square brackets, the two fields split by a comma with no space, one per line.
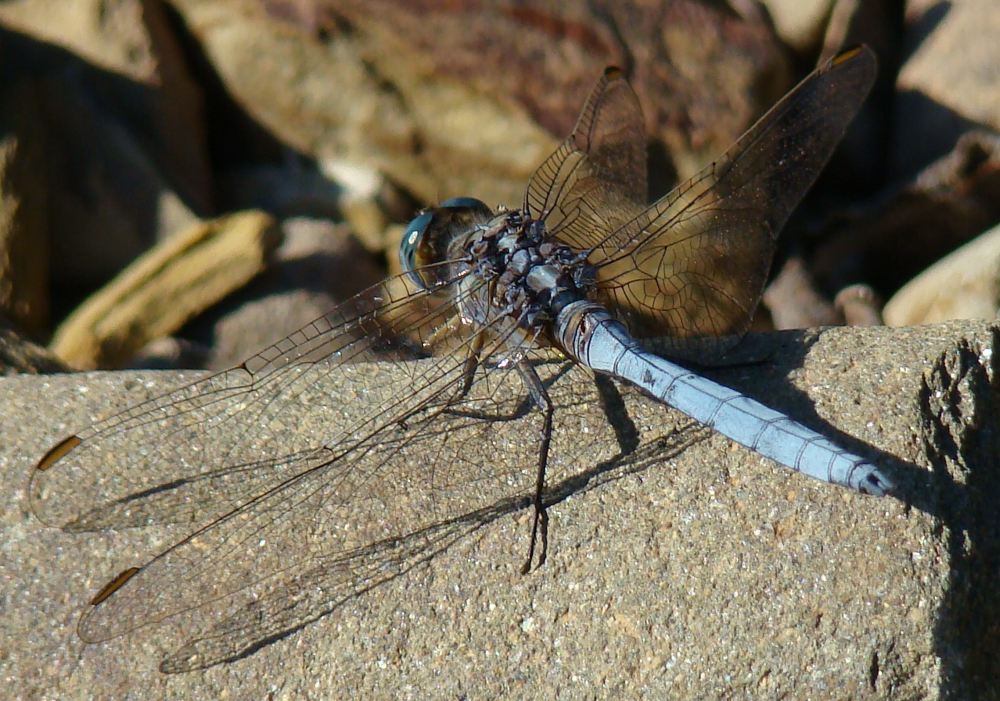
[183,181]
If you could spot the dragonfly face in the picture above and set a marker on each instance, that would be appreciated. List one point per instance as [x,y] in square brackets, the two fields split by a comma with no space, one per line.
[428,236]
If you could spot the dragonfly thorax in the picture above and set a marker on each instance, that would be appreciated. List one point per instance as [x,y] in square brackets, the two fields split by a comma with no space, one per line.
[530,277]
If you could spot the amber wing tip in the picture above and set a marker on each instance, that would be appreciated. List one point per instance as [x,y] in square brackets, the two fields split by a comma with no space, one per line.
[57,452]
[614,73]
[114,585]
[852,53]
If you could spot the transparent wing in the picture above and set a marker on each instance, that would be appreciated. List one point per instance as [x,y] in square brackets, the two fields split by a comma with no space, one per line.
[599,172]
[451,475]
[229,451]
[690,269]
[210,434]
[585,448]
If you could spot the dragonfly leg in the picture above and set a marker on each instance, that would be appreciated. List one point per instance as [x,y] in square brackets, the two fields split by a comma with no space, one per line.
[468,369]
[540,523]
[471,363]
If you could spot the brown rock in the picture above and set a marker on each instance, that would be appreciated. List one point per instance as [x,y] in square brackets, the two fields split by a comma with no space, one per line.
[124,158]
[947,85]
[160,101]
[794,302]
[165,288]
[318,265]
[24,221]
[19,355]
[440,99]
[860,305]
[896,236]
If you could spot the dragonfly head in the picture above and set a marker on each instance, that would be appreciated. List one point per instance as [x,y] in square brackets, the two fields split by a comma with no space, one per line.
[426,237]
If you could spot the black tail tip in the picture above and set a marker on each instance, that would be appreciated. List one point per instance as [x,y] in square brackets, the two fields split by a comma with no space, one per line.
[876,484]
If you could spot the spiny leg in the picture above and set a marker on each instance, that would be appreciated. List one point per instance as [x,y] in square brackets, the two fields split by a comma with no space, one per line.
[540,523]
[471,364]
[468,369]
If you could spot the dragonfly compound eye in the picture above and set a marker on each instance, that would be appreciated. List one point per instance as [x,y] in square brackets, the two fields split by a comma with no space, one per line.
[466,203]
[412,238]
[427,236]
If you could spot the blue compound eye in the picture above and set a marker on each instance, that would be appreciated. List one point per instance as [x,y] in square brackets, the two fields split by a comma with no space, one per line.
[412,237]
[427,237]
[470,202]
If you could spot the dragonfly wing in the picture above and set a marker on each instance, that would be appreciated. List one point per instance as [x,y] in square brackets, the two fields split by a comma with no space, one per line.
[343,524]
[445,477]
[356,512]
[317,587]
[692,266]
[194,456]
[194,453]
[600,170]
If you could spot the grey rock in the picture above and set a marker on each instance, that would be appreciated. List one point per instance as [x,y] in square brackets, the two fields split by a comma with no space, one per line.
[693,569]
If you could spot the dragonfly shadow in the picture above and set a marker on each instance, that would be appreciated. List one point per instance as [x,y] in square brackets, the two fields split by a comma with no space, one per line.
[331,582]
[633,457]
[326,587]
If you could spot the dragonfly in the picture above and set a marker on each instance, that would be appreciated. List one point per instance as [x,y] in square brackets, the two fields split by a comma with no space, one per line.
[585,274]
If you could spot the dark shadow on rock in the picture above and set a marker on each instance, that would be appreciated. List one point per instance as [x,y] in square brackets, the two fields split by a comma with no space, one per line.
[103,189]
[963,492]
[758,367]
[234,136]
[927,22]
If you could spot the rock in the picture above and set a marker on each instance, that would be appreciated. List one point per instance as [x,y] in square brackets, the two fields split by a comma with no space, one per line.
[159,101]
[434,97]
[794,302]
[318,265]
[170,353]
[19,355]
[691,569]
[897,235]
[24,220]
[860,305]
[800,24]
[947,85]
[108,146]
[963,285]
[361,197]
[165,288]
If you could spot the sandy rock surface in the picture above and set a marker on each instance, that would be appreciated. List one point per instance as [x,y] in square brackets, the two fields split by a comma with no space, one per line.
[686,566]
